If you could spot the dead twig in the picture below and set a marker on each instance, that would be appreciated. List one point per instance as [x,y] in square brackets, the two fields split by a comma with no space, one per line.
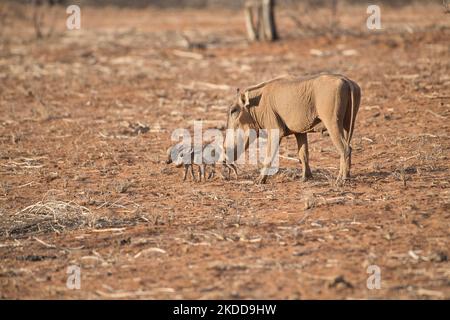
[45,244]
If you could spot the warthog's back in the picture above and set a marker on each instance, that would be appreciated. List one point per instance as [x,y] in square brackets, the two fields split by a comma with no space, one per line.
[295,100]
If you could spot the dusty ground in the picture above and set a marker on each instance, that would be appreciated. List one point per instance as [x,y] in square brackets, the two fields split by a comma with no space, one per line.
[85,118]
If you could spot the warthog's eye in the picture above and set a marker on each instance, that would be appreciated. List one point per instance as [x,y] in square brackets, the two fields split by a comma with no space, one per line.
[234,111]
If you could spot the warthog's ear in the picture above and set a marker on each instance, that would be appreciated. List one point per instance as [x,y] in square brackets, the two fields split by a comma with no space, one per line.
[242,98]
[238,96]
[246,99]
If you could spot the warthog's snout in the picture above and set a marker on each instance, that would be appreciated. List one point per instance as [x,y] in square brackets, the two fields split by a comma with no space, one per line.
[178,165]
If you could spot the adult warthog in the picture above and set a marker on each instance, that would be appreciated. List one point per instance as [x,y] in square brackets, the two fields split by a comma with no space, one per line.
[297,106]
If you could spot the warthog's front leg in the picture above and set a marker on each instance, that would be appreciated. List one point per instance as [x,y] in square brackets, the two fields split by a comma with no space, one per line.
[232,167]
[303,154]
[273,144]
[186,168]
[228,167]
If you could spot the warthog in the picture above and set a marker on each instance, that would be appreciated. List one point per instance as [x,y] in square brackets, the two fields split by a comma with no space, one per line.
[297,106]
[182,155]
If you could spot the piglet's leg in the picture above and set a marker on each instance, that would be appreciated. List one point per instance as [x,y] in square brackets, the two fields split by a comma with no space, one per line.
[192,172]
[186,167]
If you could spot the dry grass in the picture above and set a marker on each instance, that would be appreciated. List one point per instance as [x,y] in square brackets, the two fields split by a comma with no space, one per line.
[46,216]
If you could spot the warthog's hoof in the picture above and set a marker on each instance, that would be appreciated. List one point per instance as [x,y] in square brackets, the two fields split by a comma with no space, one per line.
[340,181]
[304,179]
[261,180]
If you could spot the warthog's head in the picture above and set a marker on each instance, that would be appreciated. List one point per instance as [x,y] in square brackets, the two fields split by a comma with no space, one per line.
[238,113]
[169,156]
[239,117]
[175,155]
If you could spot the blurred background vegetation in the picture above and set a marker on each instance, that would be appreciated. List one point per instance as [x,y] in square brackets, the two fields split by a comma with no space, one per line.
[234,4]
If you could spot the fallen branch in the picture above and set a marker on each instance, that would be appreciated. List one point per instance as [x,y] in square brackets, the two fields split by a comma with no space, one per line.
[45,244]
[402,76]
[109,230]
[149,250]
[367,139]
[409,158]
[432,293]
[213,86]
[289,158]
[187,54]
[131,294]
[436,115]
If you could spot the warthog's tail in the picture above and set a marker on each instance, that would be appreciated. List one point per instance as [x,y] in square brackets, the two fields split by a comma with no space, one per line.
[355,96]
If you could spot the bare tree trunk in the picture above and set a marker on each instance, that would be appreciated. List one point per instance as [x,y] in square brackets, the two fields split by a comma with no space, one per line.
[270,29]
[43,9]
[446,4]
[252,31]
[260,20]
[261,23]
[37,18]
[334,21]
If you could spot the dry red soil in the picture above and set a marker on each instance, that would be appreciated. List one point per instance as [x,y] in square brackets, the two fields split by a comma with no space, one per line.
[86,117]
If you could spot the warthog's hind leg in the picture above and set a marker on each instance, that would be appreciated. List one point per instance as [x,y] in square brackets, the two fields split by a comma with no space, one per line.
[192,173]
[349,158]
[348,163]
[213,171]
[201,172]
[344,150]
